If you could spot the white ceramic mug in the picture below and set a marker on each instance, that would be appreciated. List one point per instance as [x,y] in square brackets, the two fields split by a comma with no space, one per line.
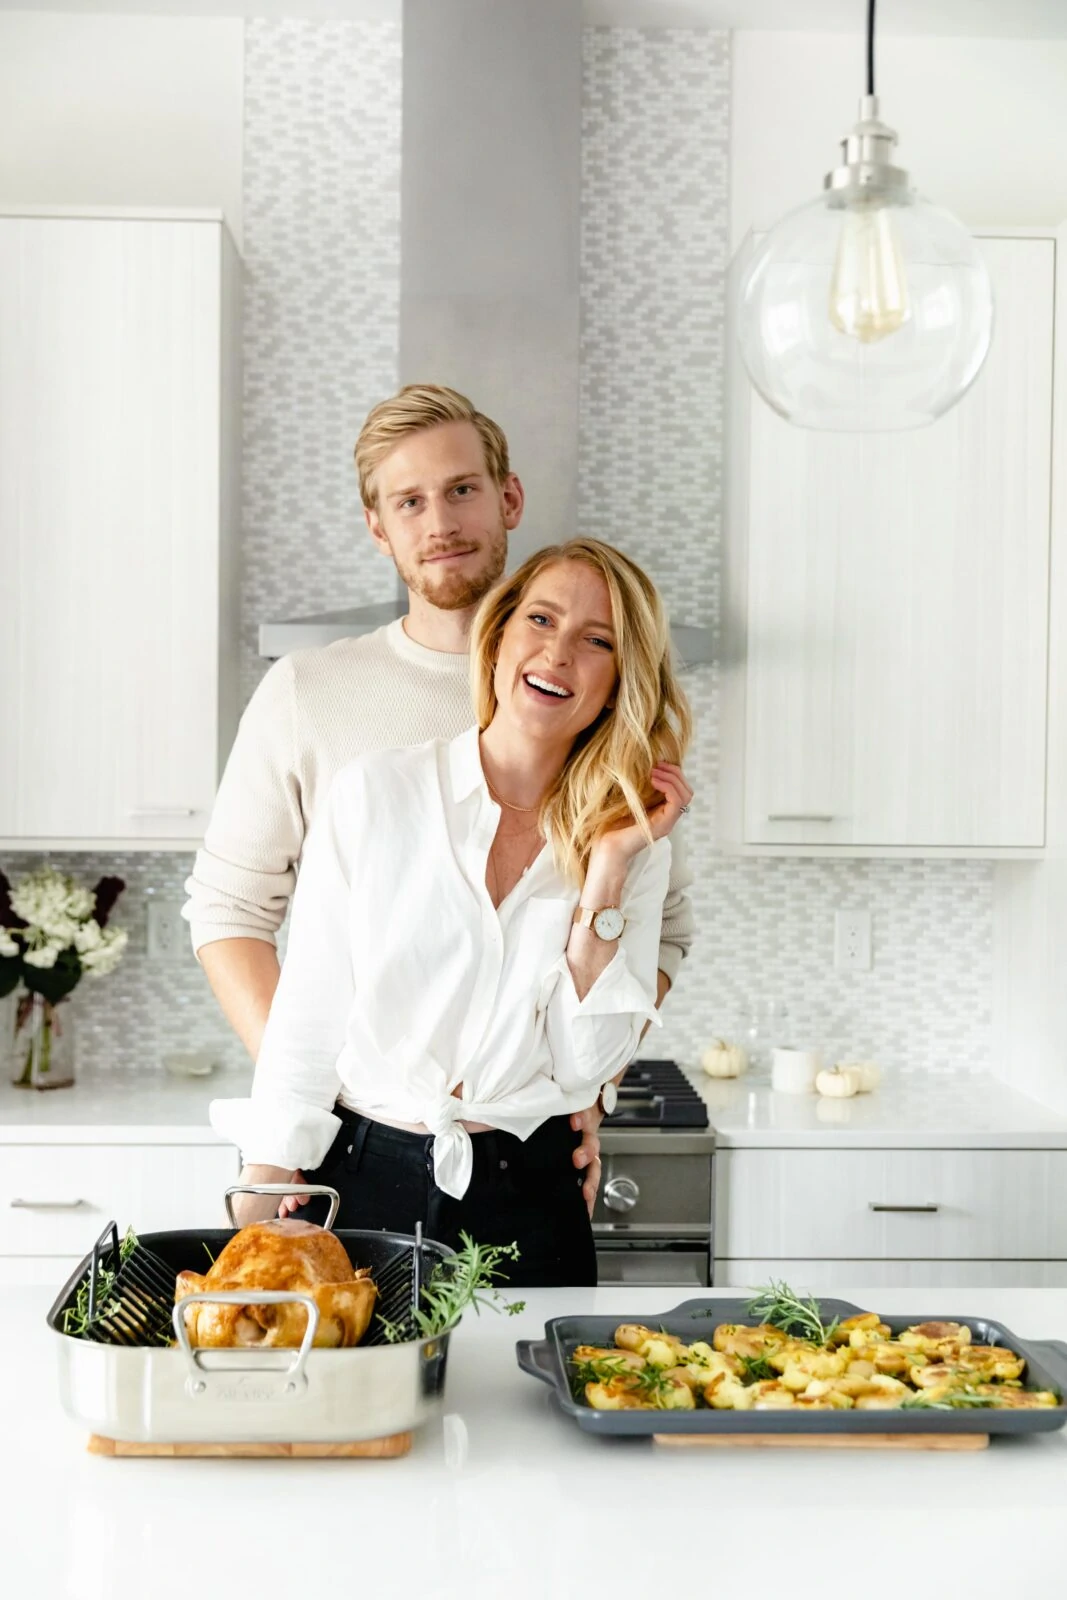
[794,1071]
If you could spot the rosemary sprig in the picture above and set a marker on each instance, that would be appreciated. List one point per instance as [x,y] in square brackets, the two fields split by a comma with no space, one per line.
[781,1307]
[951,1402]
[76,1318]
[757,1369]
[648,1383]
[454,1286]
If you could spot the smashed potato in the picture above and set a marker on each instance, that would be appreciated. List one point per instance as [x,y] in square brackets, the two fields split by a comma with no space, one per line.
[859,1364]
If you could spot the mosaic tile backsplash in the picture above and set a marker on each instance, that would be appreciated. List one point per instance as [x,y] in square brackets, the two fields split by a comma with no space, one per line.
[321,198]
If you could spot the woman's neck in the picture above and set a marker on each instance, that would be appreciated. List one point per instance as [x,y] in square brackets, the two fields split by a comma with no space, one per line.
[516,769]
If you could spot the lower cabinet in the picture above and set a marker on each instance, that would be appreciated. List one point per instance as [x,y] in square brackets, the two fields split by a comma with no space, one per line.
[55,1200]
[887,1218]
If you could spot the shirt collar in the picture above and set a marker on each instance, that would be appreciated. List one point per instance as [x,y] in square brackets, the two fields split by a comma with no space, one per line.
[465,764]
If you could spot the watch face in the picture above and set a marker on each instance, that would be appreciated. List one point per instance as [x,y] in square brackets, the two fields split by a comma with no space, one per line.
[609,1098]
[609,923]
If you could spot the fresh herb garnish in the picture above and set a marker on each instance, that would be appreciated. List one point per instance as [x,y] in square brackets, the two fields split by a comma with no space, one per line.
[757,1369]
[779,1306]
[464,1280]
[648,1383]
[76,1318]
[949,1402]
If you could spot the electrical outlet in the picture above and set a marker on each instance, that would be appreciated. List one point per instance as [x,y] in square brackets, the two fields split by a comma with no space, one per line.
[168,934]
[852,941]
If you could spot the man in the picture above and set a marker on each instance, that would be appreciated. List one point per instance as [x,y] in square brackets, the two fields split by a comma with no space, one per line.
[439,498]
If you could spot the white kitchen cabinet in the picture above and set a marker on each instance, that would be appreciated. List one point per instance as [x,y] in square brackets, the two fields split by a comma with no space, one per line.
[119,433]
[887,611]
[826,1277]
[55,1200]
[890,1217]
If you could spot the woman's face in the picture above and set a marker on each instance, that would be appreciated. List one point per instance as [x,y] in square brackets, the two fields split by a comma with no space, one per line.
[556,669]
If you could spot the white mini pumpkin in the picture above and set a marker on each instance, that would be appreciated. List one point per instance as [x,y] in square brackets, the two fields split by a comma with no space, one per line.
[837,1082]
[724,1060]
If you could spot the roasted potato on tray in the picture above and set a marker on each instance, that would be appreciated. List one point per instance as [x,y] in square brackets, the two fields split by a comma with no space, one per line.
[790,1359]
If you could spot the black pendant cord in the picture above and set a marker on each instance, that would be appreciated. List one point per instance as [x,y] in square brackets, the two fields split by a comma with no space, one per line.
[870,46]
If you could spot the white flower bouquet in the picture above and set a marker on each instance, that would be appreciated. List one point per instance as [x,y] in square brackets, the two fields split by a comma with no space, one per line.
[52,932]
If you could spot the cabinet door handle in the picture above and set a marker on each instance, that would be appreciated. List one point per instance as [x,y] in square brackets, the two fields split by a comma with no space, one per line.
[164,811]
[801,816]
[877,1205]
[46,1205]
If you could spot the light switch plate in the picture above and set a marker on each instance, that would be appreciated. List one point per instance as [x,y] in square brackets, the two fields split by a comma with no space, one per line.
[167,932]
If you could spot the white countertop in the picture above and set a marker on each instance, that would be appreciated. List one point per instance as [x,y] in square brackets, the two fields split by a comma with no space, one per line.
[934,1111]
[915,1110]
[503,1497]
[119,1108]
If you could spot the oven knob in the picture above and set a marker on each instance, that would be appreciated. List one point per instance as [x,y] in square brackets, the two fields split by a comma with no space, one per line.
[621,1193]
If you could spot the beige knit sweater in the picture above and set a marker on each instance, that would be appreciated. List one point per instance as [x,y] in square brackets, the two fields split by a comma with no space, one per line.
[313,713]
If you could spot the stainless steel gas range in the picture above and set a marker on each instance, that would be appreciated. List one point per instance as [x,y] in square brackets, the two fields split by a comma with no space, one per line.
[653,1218]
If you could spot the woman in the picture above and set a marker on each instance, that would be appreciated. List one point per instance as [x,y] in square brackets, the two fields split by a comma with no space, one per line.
[475,931]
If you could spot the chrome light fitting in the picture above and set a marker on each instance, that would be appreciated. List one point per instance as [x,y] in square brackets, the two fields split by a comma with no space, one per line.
[868,309]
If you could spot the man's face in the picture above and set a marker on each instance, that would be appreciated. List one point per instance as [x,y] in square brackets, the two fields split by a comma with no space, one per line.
[441,516]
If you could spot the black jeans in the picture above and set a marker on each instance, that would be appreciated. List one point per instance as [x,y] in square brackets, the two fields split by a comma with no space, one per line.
[527,1192]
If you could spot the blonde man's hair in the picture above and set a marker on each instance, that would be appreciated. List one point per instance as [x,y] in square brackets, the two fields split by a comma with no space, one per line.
[413,409]
[606,780]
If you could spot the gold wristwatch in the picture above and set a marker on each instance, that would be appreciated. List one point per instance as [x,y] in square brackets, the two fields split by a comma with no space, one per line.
[607,922]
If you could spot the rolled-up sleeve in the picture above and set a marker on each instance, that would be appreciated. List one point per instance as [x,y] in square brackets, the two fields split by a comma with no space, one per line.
[592,1039]
[289,1121]
[676,934]
[243,876]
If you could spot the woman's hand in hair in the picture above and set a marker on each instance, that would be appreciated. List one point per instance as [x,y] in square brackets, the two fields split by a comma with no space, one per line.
[624,843]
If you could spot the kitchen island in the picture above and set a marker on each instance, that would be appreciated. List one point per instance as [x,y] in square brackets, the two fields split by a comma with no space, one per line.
[503,1497]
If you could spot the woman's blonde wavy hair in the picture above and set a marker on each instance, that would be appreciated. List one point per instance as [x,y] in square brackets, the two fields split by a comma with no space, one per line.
[606,780]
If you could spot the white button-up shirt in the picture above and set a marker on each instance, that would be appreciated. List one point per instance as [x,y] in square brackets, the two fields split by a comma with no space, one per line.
[402,981]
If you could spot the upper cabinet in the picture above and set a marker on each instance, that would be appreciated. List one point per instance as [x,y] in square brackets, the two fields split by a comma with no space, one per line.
[119,440]
[886,609]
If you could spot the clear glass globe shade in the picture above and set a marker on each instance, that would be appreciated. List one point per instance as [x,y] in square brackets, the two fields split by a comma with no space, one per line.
[864,317]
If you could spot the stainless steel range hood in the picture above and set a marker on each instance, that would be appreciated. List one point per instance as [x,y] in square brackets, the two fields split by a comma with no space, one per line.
[489,255]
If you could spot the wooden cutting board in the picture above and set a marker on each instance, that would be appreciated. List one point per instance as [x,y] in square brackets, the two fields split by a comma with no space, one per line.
[829,1441]
[396,1444]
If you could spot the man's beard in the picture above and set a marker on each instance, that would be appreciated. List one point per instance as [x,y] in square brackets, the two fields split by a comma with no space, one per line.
[451,590]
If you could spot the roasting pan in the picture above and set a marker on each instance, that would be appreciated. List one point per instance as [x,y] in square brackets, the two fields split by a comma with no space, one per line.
[547,1359]
[174,1393]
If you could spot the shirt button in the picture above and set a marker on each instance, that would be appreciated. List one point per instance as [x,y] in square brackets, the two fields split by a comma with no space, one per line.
[503,1166]
[350,1149]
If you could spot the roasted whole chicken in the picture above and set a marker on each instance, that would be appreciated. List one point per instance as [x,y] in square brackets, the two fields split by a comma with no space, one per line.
[281,1255]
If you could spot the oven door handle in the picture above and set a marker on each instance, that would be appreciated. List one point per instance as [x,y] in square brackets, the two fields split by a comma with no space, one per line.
[698,1231]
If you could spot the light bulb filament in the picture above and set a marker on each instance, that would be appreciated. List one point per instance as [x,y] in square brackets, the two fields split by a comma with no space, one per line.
[869,288]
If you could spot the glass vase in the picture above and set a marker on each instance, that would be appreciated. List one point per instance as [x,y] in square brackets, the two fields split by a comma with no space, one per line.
[42,1043]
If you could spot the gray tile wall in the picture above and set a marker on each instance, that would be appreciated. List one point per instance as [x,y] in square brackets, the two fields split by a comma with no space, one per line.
[321,196]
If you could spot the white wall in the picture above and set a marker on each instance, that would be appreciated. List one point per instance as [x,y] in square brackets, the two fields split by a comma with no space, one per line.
[982,122]
[121,111]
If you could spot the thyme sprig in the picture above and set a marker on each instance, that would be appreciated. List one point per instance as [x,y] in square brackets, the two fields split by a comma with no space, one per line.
[779,1306]
[76,1318]
[465,1280]
[963,1398]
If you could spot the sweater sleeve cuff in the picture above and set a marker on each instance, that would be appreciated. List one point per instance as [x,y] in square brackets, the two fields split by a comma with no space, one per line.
[204,933]
[669,961]
[277,1130]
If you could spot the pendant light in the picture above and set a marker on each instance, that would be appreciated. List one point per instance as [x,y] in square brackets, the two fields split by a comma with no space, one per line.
[868,309]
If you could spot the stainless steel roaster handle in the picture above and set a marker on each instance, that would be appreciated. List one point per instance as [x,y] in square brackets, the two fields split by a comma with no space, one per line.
[224,1365]
[283,1188]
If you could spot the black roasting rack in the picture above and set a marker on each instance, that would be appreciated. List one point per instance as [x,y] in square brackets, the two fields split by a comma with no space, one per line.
[123,1294]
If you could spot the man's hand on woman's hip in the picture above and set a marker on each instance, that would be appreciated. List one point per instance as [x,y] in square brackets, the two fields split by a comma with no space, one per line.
[587,1155]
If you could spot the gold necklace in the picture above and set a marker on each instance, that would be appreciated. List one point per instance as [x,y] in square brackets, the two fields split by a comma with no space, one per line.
[507,803]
